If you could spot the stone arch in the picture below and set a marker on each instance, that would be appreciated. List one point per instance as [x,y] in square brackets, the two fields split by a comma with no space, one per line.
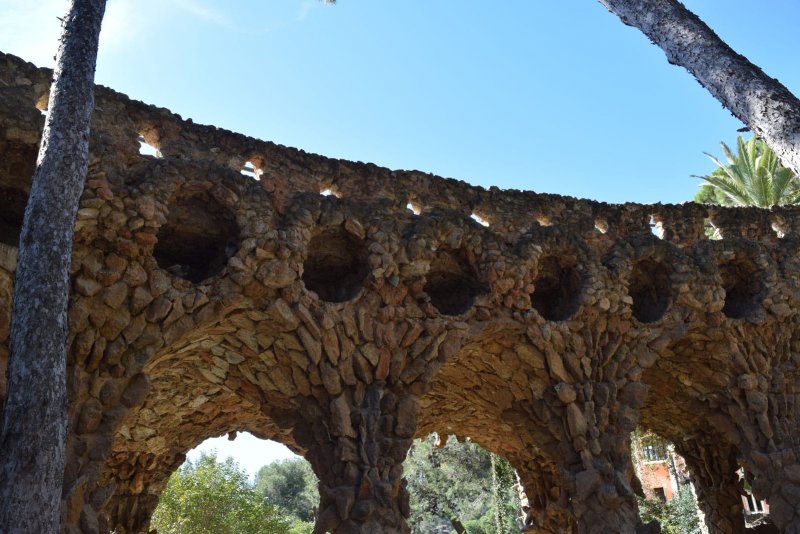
[491,391]
[689,371]
[688,391]
[139,477]
[198,390]
[199,236]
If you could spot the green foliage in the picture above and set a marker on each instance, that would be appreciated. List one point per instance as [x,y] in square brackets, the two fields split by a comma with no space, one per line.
[502,485]
[292,486]
[708,194]
[677,516]
[301,527]
[487,523]
[461,486]
[753,176]
[453,486]
[212,497]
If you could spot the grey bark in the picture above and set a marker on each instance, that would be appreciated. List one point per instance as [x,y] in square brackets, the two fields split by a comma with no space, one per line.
[456,523]
[770,110]
[34,423]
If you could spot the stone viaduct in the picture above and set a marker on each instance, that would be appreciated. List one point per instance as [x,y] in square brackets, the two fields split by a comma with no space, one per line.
[205,301]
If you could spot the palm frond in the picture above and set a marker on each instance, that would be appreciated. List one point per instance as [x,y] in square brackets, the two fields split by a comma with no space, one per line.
[734,190]
[753,176]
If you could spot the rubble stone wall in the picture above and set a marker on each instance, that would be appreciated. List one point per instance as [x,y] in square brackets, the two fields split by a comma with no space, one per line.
[206,301]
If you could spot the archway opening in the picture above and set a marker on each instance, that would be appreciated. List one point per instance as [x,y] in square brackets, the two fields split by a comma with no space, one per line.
[335,266]
[741,279]
[557,287]
[197,240]
[649,287]
[665,481]
[239,483]
[457,485]
[452,284]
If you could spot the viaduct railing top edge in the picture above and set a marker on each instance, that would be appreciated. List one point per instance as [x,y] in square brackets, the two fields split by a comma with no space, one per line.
[288,170]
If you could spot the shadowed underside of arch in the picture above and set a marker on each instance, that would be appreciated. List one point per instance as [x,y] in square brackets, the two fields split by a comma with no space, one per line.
[205,301]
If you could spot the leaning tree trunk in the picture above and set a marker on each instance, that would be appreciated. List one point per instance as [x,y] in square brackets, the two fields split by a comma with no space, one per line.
[761,102]
[34,423]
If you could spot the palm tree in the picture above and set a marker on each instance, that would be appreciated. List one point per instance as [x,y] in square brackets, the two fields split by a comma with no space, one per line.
[753,176]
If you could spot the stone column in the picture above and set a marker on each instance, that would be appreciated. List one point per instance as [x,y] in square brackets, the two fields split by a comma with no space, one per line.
[595,464]
[582,419]
[761,422]
[542,507]
[134,489]
[131,512]
[775,476]
[357,442]
[714,473]
[589,485]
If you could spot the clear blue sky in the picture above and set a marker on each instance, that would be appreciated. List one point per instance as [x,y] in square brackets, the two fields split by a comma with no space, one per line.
[554,96]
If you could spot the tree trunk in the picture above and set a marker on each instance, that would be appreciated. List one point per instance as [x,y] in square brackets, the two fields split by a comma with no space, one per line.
[34,423]
[458,526]
[761,102]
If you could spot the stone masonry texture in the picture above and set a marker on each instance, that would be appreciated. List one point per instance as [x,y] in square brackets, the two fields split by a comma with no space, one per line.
[206,301]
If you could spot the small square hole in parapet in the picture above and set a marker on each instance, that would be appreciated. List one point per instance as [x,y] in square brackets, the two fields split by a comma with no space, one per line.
[478,219]
[146,149]
[251,170]
[414,207]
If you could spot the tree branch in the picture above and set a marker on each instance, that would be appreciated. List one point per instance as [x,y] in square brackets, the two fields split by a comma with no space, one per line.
[761,102]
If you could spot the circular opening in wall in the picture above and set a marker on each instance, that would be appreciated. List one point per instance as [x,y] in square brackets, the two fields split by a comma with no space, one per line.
[335,266]
[452,285]
[198,238]
[650,289]
[12,210]
[741,279]
[16,171]
[557,288]
[17,164]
